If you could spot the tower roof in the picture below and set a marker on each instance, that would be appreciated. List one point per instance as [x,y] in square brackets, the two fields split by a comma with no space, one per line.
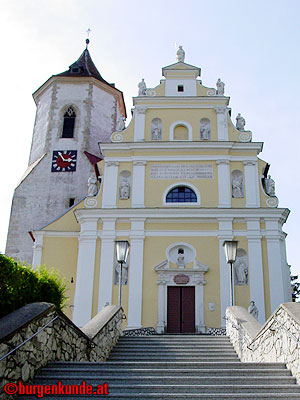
[84,66]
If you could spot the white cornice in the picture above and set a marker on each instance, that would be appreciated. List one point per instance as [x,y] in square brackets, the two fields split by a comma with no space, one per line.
[187,101]
[195,213]
[182,145]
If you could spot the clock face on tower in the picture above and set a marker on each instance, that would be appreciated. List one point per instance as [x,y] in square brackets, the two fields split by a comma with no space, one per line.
[64,161]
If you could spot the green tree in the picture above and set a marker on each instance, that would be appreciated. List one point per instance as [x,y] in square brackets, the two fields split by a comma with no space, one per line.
[21,284]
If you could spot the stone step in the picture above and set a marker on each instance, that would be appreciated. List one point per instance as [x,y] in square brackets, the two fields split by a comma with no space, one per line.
[159,339]
[175,357]
[172,348]
[181,396]
[182,388]
[215,365]
[199,372]
[124,379]
[183,351]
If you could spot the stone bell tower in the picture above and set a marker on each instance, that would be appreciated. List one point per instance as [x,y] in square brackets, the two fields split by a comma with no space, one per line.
[76,109]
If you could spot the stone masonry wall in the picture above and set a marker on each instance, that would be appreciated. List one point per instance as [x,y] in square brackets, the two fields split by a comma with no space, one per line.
[277,341]
[61,340]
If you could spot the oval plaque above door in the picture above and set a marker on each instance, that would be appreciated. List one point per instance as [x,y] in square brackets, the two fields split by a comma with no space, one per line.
[181,279]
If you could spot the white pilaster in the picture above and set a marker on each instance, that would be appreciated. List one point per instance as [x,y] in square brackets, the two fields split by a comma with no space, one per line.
[37,250]
[199,300]
[161,309]
[107,261]
[110,183]
[256,278]
[224,184]
[225,233]
[275,264]
[285,269]
[251,184]
[139,125]
[83,298]
[222,123]
[138,184]
[137,236]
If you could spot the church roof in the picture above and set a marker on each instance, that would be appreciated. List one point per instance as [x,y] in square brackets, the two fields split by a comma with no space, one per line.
[84,66]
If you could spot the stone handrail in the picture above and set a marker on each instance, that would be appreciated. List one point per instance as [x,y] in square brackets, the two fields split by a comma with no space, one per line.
[60,340]
[278,340]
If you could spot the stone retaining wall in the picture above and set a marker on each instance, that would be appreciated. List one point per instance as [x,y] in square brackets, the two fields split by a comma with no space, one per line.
[278,340]
[61,340]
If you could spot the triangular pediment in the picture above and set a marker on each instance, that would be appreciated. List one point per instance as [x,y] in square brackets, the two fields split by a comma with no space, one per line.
[181,65]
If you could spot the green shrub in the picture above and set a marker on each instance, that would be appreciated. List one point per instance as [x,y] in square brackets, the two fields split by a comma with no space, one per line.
[21,284]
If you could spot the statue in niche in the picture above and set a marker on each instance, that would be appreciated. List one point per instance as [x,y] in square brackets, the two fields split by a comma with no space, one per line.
[124,273]
[270,186]
[237,184]
[241,268]
[156,129]
[142,88]
[253,310]
[205,129]
[220,87]
[180,261]
[121,123]
[240,122]
[92,186]
[124,190]
[180,54]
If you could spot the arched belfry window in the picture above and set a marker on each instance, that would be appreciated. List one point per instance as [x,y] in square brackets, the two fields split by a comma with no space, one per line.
[69,123]
[181,194]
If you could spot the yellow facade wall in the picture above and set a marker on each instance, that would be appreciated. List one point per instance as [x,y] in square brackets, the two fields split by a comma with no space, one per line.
[61,253]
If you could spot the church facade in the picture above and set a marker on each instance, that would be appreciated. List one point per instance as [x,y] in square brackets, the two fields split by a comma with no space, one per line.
[176,183]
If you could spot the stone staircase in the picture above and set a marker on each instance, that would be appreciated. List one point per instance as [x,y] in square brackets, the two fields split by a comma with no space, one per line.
[174,367]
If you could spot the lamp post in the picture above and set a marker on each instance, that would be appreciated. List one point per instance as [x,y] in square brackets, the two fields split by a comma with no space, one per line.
[230,247]
[122,254]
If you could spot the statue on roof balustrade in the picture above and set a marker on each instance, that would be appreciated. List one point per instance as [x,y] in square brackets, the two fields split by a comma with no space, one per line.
[180,54]
[220,87]
[240,122]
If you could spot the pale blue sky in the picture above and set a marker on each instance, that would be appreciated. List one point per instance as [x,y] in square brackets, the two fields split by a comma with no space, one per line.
[252,46]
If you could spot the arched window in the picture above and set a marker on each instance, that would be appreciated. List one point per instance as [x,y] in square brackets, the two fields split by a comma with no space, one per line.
[181,194]
[69,123]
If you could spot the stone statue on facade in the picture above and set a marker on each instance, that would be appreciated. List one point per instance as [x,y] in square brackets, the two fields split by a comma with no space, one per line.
[92,186]
[220,87]
[205,130]
[156,129]
[240,122]
[156,133]
[270,186]
[237,187]
[241,272]
[142,88]
[253,310]
[180,261]
[180,54]
[124,190]
[120,123]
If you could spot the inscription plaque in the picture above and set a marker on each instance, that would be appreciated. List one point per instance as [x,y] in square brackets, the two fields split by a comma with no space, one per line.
[181,171]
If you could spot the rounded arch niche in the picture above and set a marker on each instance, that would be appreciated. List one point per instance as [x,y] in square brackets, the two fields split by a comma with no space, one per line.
[181,125]
[181,253]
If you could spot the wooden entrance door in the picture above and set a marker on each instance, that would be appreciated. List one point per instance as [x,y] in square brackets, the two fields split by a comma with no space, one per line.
[181,309]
